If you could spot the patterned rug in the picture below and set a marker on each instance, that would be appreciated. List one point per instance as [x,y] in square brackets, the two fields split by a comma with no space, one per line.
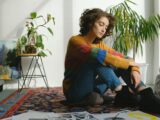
[10,104]
[52,100]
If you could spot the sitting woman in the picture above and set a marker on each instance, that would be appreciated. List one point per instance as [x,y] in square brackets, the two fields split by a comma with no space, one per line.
[91,67]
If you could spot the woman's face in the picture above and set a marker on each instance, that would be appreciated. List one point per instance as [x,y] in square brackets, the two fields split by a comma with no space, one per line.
[100,26]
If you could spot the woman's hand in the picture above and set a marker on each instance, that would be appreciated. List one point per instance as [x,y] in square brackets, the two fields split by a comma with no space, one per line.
[136,78]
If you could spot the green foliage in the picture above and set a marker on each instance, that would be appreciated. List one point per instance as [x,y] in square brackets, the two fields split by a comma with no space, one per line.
[132,29]
[4,70]
[12,60]
[32,37]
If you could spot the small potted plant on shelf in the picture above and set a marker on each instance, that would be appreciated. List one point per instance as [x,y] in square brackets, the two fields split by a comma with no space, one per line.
[4,72]
[32,42]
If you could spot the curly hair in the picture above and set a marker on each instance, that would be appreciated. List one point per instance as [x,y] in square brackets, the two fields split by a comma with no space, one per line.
[90,16]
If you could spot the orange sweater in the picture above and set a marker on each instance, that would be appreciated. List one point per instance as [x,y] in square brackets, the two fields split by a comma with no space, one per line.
[79,51]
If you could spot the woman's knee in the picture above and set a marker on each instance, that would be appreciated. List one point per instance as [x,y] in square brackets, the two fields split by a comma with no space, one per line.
[109,77]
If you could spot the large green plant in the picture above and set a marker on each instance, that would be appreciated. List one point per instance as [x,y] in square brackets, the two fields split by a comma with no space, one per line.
[33,38]
[132,29]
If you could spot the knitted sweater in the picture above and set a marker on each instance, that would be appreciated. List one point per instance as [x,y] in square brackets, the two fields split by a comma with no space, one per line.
[79,51]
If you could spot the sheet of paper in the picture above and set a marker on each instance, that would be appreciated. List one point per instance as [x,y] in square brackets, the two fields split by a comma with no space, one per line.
[122,115]
[126,115]
[34,115]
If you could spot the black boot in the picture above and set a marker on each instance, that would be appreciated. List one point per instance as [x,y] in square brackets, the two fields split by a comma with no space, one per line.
[125,98]
[149,102]
[1,88]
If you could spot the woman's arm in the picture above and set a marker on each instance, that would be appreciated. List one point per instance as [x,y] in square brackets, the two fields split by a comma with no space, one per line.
[134,66]
[82,50]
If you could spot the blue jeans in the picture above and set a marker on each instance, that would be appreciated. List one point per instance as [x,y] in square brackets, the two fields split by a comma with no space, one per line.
[95,77]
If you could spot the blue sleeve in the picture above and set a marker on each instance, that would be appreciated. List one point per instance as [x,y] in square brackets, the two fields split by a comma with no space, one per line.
[99,54]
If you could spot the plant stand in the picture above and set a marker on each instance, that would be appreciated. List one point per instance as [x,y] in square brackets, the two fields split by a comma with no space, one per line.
[31,73]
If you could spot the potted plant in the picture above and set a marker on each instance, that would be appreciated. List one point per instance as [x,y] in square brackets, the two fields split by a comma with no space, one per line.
[33,41]
[4,72]
[132,29]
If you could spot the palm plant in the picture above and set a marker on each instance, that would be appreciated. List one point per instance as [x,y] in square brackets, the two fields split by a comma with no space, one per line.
[132,29]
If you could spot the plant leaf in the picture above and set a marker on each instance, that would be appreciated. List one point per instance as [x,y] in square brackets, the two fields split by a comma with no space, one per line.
[23,40]
[32,24]
[33,15]
[53,20]
[50,30]
[39,42]
[49,17]
[41,53]
[131,2]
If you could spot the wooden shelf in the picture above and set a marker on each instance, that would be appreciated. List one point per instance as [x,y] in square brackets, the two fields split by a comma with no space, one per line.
[26,54]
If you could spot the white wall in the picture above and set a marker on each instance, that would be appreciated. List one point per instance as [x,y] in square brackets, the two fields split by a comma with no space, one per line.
[13,14]
[156,45]
[149,50]
[66,13]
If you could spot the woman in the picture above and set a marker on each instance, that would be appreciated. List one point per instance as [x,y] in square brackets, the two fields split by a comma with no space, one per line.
[91,67]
